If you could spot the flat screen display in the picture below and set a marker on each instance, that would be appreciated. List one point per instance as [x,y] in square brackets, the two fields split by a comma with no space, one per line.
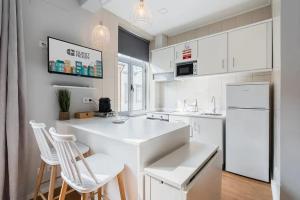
[72,59]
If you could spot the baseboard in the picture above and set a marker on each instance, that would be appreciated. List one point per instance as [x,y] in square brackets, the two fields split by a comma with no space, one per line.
[44,188]
[275,190]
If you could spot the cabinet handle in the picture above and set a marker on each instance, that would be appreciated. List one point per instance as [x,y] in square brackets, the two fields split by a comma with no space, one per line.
[171,64]
[192,132]
[233,62]
[223,63]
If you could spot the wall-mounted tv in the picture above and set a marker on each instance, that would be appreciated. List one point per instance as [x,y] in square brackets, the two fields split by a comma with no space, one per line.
[72,59]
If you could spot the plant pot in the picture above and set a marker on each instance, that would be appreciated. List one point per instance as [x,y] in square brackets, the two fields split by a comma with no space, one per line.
[64,115]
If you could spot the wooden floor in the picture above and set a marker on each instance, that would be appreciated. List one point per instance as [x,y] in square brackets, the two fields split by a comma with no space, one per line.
[234,187]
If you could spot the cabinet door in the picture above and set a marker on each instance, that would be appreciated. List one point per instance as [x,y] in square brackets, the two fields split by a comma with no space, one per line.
[187,120]
[208,130]
[163,60]
[250,48]
[186,52]
[212,54]
[162,191]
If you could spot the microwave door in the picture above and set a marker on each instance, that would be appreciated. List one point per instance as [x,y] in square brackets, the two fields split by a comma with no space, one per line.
[185,69]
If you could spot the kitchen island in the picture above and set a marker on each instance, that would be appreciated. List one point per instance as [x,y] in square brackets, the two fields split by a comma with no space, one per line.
[137,143]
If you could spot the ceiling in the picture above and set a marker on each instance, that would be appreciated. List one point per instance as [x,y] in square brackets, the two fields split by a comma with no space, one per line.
[182,15]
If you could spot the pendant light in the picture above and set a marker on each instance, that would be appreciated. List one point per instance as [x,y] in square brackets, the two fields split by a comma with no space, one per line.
[141,13]
[100,35]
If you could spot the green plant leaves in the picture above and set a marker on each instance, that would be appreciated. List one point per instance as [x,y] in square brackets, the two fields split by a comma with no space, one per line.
[64,98]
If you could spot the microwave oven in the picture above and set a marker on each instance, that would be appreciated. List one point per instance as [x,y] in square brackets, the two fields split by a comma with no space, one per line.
[186,69]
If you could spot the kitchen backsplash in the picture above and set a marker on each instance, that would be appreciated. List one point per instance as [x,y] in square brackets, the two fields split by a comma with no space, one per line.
[171,95]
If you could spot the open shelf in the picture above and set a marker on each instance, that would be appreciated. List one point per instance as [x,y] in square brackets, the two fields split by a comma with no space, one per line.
[73,87]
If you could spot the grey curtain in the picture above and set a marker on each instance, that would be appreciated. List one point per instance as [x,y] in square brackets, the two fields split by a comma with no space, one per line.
[12,101]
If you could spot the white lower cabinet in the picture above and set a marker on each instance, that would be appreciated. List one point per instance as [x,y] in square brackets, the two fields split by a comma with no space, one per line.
[208,130]
[202,129]
[184,119]
[160,190]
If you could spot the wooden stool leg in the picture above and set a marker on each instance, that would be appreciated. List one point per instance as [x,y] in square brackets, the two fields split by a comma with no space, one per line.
[83,196]
[92,196]
[63,191]
[121,186]
[52,182]
[39,179]
[99,192]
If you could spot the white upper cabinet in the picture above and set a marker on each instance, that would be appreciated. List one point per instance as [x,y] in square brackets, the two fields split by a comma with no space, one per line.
[163,60]
[250,48]
[212,54]
[186,52]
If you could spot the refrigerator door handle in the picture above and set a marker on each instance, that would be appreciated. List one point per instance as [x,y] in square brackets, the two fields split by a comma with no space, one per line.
[236,108]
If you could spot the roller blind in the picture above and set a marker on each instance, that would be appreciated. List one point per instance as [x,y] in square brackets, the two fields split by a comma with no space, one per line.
[133,45]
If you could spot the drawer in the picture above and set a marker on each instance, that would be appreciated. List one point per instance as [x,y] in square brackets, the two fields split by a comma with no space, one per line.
[158,190]
[164,117]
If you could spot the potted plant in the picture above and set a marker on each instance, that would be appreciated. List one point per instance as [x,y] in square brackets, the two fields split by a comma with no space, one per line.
[64,97]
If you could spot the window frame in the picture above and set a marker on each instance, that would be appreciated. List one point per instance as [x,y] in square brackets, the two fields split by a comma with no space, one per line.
[130,62]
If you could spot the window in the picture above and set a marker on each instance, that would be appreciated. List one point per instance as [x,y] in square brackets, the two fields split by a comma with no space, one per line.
[132,85]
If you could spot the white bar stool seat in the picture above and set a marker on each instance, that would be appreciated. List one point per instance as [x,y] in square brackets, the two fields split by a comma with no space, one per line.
[49,157]
[86,175]
[104,168]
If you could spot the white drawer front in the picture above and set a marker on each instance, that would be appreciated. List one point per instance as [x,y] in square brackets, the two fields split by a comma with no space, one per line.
[162,191]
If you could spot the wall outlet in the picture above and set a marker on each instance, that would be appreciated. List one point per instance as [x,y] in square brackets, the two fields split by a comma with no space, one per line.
[87,100]
[43,44]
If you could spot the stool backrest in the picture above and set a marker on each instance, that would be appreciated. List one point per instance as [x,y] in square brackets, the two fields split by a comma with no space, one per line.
[43,139]
[68,152]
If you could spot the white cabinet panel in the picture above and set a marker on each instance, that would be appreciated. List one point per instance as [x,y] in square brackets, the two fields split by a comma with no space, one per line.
[162,191]
[208,130]
[212,54]
[207,183]
[187,120]
[163,60]
[186,52]
[250,48]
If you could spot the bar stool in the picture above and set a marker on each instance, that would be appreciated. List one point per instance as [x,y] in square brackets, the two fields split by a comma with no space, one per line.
[86,175]
[48,157]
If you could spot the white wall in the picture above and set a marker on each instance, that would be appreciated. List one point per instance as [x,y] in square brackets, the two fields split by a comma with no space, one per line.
[276,9]
[67,21]
[172,94]
[290,101]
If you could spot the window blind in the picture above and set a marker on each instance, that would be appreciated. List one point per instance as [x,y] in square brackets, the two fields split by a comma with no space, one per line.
[133,45]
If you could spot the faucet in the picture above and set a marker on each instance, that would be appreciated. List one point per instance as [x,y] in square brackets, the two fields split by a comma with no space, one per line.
[213,100]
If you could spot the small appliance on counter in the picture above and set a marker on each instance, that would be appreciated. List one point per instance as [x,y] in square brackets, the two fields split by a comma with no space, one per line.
[105,108]
[104,105]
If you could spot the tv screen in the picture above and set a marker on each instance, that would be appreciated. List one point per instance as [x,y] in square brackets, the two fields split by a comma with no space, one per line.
[72,59]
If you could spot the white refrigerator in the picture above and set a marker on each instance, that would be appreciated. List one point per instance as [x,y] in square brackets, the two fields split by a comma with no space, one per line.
[248,130]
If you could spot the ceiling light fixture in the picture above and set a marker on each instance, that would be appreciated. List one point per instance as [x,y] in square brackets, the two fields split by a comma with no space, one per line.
[100,35]
[141,13]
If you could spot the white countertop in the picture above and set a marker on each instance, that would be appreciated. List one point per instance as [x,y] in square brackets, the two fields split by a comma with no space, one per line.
[135,130]
[190,114]
[179,166]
